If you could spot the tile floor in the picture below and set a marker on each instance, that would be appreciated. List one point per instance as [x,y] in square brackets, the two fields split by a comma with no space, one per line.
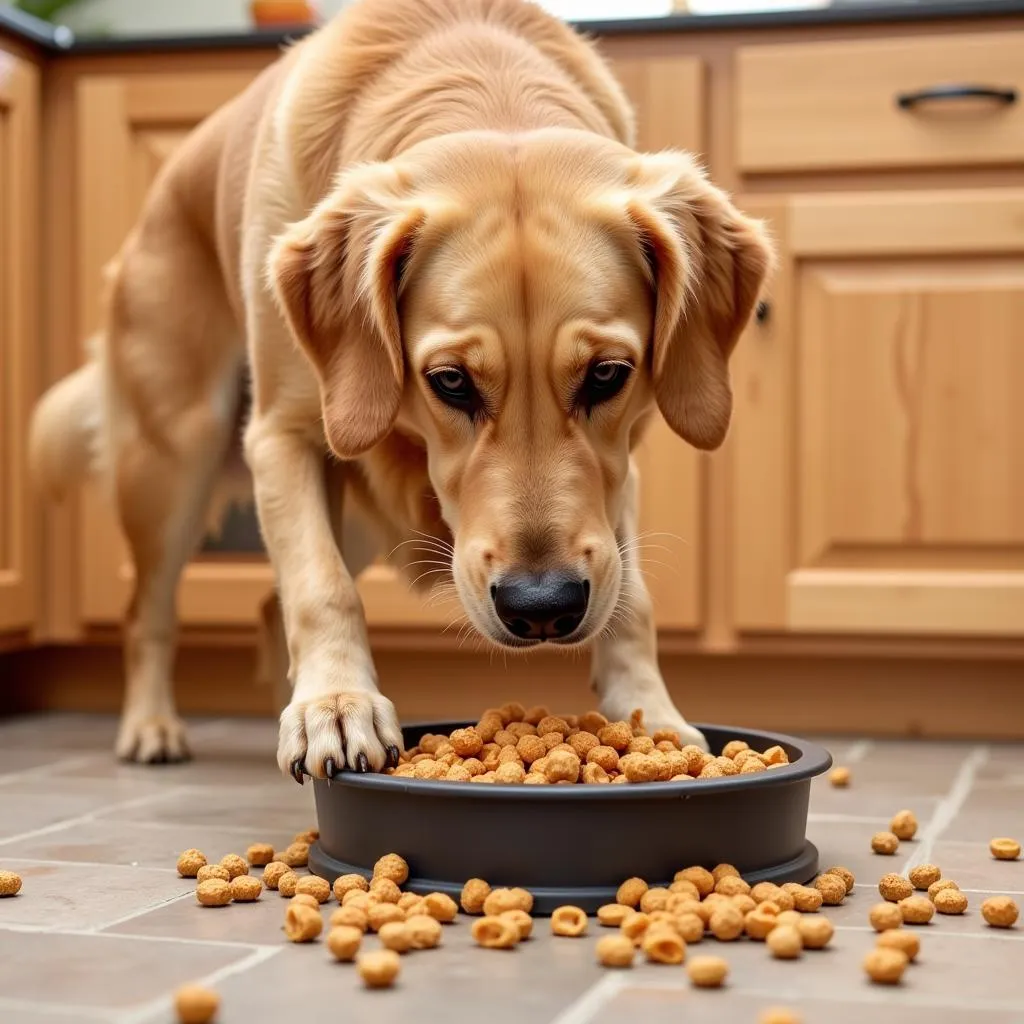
[104,930]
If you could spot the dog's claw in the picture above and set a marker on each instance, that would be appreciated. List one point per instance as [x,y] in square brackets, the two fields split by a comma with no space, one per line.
[362,764]
[393,756]
[298,771]
[330,768]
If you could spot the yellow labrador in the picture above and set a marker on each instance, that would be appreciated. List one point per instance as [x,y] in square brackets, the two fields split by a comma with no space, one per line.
[460,294]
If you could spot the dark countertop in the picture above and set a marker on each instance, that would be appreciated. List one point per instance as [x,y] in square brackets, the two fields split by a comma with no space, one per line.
[61,40]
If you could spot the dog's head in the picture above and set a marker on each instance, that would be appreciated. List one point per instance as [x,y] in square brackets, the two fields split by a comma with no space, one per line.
[521,304]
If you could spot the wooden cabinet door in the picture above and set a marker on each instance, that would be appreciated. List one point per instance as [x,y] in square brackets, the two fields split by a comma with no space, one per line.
[668,94]
[879,460]
[19,335]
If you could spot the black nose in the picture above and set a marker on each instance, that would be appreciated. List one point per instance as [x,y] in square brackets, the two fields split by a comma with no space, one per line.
[541,606]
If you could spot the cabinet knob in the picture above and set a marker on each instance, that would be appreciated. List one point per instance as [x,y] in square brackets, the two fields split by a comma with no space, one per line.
[909,100]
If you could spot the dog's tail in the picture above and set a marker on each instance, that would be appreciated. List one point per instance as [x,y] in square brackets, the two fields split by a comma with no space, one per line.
[66,430]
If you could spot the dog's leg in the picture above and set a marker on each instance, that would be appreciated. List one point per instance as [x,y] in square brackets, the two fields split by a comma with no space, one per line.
[624,667]
[336,715]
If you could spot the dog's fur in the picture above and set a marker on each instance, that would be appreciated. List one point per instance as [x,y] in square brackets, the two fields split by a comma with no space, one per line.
[420,184]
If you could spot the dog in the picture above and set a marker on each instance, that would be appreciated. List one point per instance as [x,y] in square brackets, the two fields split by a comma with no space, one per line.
[458,294]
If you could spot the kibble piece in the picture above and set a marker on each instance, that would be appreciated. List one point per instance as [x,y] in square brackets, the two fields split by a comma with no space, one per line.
[631,892]
[568,921]
[343,941]
[885,843]
[385,890]
[720,871]
[635,925]
[553,724]
[655,899]
[295,856]
[499,900]
[640,745]
[214,892]
[411,899]
[832,889]
[606,757]
[287,884]
[466,742]
[753,765]
[349,917]
[701,878]
[884,916]
[531,749]
[302,923]
[1004,848]
[784,900]
[394,935]
[274,872]
[791,917]
[235,865]
[784,942]
[726,924]
[616,735]
[458,774]
[815,932]
[806,899]
[707,971]
[845,874]
[778,1015]
[246,889]
[611,915]
[474,892]
[839,777]
[895,887]
[511,773]
[440,906]
[194,1004]
[189,863]
[731,886]
[309,836]
[522,920]
[358,898]
[346,883]
[937,887]
[903,825]
[214,871]
[1000,912]
[950,901]
[733,747]
[923,875]
[759,923]
[495,932]
[318,888]
[916,909]
[562,766]
[744,904]
[379,914]
[690,928]
[259,854]
[615,951]
[583,743]
[902,939]
[594,774]
[663,945]
[684,887]
[423,930]
[885,965]
[379,968]
[764,891]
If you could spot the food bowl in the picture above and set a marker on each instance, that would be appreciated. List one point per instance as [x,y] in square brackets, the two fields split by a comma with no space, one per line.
[573,844]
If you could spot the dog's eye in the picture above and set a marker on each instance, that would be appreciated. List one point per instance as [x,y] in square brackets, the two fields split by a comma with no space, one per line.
[604,380]
[454,387]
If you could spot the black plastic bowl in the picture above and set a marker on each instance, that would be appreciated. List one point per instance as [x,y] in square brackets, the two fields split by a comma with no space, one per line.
[573,844]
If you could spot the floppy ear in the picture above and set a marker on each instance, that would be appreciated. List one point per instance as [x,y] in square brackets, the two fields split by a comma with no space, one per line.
[335,276]
[708,263]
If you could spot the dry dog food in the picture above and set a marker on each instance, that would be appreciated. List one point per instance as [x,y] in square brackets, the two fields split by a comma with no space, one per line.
[245,889]
[631,892]
[1004,849]
[839,777]
[385,890]
[885,843]
[784,942]
[10,883]
[379,914]
[916,909]
[937,887]
[287,884]
[495,932]
[214,892]
[885,965]
[392,867]
[499,900]
[902,939]
[726,924]
[213,871]
[318,888]
[903,825]
[394,935]
[950,901]
[636,924]
[424,931]
[259,854]
[189,863]
[832,889]
[895,887]
[306,900]
[662,945]
[379,968]
[707,971]
[342,884]
[845,874]
[587,750]
[235,865]
[568,921]
[615,951]
[815,932]
[522,920]
[349,917]
[924,875]
[310,836]
[474,892]
[343,941]
[655,899]
[611,915]
[442,907]
[194,1004]
[295,856]
[761,921]
[884,916]
[1000,912]
[302,923]
[778,1015]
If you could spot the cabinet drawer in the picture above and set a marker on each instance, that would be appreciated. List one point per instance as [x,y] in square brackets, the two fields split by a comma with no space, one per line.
[836,106]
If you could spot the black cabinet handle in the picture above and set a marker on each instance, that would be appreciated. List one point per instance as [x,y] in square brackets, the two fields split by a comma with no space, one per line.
[909,100]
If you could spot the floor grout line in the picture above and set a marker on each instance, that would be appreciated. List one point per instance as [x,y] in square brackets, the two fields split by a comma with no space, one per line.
[585,1007]
[947,808]
[105,865]
[57,1009]
[176,940]
[141,913]
[8,778]
[158,1007]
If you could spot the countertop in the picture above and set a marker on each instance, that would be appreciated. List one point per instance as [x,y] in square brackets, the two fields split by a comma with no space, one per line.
[58,39]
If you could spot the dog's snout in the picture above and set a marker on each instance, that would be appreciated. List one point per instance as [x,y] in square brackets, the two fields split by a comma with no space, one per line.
[541,606]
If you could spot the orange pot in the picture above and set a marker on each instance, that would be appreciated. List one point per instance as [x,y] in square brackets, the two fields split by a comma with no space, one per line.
[278,13]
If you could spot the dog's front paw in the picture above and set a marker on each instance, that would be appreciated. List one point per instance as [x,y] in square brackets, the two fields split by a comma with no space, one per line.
[152,739]
[323,735]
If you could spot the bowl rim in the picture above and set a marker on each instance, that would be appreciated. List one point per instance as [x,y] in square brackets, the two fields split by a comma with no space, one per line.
[814,760]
